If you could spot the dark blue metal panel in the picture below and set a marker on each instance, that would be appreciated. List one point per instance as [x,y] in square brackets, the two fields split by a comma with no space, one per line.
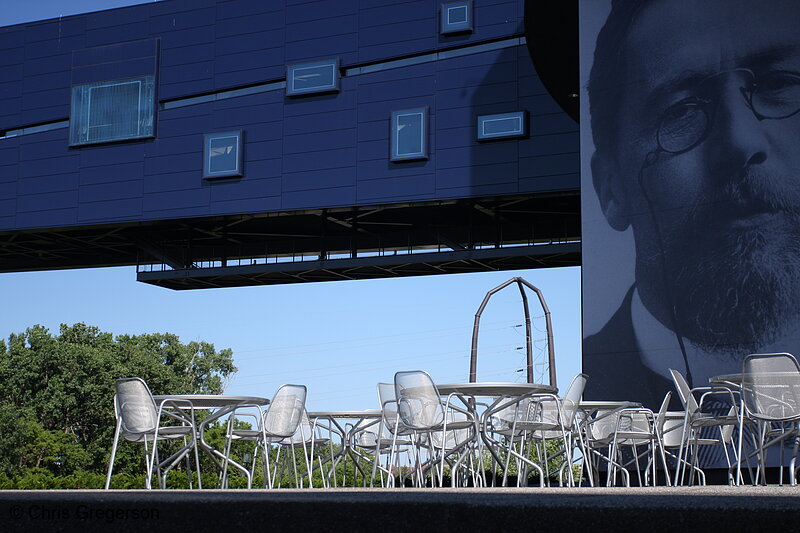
[322,160]
[182,6]
[107,174]
[267,19]
[167,164]
[43,145]
[263,168]
[345,47]
[127,31]
[55,47]
[50,183]
[47,202]
[552,123]
[250,204]
[45,167]
[47,216]
[561,182]
[549,165]
[114,210]
[186,74]
[176,181]
[192,18]
[448,178]
[390,189]
[318,141]
[122,51]
[316,180]
[244,189]
[115,70]
[182,199]
[171,57]
[544,145]
[111,191]
[474,190]
[111,155]
[263,149]
[312,199]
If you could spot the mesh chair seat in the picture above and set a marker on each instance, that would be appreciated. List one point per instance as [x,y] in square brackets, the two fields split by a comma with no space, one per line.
[169,432]
[369,439]
[246,434]
[710,420]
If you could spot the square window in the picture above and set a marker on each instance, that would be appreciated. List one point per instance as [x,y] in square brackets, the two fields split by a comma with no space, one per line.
[110,111]
[409,134]
[222,154]
[502,126]
[456,17]
[316,77]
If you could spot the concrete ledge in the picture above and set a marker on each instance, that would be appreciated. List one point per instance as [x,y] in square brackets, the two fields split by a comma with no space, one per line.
[353,510]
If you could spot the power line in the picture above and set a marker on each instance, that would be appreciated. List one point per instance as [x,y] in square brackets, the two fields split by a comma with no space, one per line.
[440,356]
[410,337]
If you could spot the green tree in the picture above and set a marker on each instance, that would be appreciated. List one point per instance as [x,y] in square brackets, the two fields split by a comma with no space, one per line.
[56,402]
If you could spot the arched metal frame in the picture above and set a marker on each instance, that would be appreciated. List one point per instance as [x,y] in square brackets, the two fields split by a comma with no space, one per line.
[473,363]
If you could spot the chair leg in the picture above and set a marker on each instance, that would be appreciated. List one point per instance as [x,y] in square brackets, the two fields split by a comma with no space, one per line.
[113,454]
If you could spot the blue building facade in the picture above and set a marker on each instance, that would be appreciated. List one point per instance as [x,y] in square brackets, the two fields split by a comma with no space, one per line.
[313,167]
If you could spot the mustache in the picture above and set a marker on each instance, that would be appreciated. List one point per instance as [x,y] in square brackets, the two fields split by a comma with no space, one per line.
[753,192]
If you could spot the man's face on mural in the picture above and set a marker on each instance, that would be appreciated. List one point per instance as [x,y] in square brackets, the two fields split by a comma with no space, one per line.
[706,168]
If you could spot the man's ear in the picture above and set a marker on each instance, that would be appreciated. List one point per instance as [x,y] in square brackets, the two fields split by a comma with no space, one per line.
[610,191]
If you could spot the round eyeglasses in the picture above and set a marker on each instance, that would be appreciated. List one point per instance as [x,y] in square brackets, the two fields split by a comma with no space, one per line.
[684,125]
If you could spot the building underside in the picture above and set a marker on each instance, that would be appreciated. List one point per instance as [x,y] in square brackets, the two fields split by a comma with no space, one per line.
[442,237]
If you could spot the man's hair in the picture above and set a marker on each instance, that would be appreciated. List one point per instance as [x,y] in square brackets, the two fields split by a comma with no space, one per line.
[608,70]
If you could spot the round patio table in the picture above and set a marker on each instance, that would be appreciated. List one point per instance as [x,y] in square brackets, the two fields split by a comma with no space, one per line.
[220,405]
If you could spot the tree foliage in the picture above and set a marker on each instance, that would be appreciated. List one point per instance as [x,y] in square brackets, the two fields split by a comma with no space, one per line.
[56,399]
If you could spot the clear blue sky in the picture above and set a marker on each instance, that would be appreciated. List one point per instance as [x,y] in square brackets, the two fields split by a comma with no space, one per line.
[339,338]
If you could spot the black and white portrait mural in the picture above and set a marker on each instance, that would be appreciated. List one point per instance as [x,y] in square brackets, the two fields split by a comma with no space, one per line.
[690,137]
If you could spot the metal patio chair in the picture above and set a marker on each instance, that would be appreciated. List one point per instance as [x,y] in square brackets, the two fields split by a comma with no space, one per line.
[716,409]
[391,439]
[538,418]
[280,421]
[771,398]
[421,410]
[139,419]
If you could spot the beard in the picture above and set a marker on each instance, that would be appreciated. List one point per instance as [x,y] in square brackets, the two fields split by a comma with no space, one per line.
[735,282]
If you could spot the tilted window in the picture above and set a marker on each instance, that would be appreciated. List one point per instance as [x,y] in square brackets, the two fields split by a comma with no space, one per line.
[456,17]
[315,77]
[222,155]
[409,134]
[502,126]
[114,110]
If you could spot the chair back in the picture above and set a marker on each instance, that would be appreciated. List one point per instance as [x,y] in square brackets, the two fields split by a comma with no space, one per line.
[572,399]
[684,392]
[388,400]
[602,426]
[524,410]
[453,438]
[418,402]
[634,427]
[285,411]
[661,417]
[135,407]
[771,386]
[366,439]
[303,433]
